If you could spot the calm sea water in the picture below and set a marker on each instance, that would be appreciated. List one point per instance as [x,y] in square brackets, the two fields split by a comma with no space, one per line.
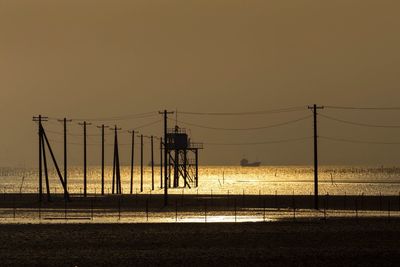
[224,180]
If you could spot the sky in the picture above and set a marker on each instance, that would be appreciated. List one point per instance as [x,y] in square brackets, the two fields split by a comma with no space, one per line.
[101,59]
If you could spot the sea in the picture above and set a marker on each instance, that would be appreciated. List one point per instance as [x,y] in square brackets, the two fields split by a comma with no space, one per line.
[281,180]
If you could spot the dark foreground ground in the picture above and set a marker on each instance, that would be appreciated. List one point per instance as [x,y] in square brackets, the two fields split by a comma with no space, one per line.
[366,242]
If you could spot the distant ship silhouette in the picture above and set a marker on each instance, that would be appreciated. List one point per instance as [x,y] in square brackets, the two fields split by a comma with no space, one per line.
[246,163]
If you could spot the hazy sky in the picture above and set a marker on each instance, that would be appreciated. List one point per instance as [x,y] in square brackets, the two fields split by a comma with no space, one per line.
[94,59]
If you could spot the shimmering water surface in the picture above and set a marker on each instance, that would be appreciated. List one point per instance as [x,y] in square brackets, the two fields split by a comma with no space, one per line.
[223,180]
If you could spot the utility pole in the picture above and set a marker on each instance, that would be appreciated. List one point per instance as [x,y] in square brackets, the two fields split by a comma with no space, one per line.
[152,162]
[165,113]
[116,166]
[65,157]
[314,109]
[141,163]
[132,158]
[39,120]
[84,158]
[102,156]
[161,163]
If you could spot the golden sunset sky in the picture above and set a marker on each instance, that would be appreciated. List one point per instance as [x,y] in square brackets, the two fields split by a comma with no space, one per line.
[95,59]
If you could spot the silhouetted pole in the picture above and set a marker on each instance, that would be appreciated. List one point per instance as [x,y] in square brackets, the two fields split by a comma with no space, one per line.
[46,171]
[116,166]
[84,158]
[314,109]
[65,155]
[102,156]
[152,162]
[132,158]
[161,163]
[39,120]
[197,166]
[54,161]
[165,113]
[40,159]
[141,163]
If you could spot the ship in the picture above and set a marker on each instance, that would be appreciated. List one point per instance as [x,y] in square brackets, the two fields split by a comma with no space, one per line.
[246,163]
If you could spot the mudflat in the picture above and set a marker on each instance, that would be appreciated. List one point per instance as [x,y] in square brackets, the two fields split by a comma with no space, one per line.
[339,242]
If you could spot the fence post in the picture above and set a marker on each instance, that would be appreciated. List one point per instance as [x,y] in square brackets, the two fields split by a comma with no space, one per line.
[147,210]
[119,209]
[294,208]
[176,210]
[14,207]
[65,209]
[264,210]
[356,209]
[235,209]
[243,198]
[40,211]
[91,209]
[205,211]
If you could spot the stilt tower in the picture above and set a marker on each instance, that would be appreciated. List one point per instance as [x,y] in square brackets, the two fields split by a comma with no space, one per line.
[182,158]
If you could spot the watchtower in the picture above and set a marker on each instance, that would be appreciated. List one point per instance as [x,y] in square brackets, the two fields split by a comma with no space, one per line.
[183,158]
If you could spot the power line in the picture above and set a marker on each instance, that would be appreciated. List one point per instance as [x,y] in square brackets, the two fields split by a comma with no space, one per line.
[271,111]
[117,118]
[259,143]
[358,141]
[75,134]
[246,129]
[359,123]
[80,134]
[362,108]
[147,124]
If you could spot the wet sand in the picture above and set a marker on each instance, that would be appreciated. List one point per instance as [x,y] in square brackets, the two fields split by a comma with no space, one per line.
[367,242]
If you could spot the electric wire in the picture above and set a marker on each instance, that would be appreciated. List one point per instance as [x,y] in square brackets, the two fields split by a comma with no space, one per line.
[260,143]
[271,111]
[358,123]
[114,118]
[244,129]
[358,141]
[362,108]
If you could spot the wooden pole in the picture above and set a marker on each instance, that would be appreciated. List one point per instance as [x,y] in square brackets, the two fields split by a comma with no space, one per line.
[84,124]
[314,109]
[46,172]
[39,120]
[161,163]
[84,160]
[141,163]
[152,162]
[55,164]
[132,159]
[102,157]
[165,113]
[65,155]
[117,165]
[40,159]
